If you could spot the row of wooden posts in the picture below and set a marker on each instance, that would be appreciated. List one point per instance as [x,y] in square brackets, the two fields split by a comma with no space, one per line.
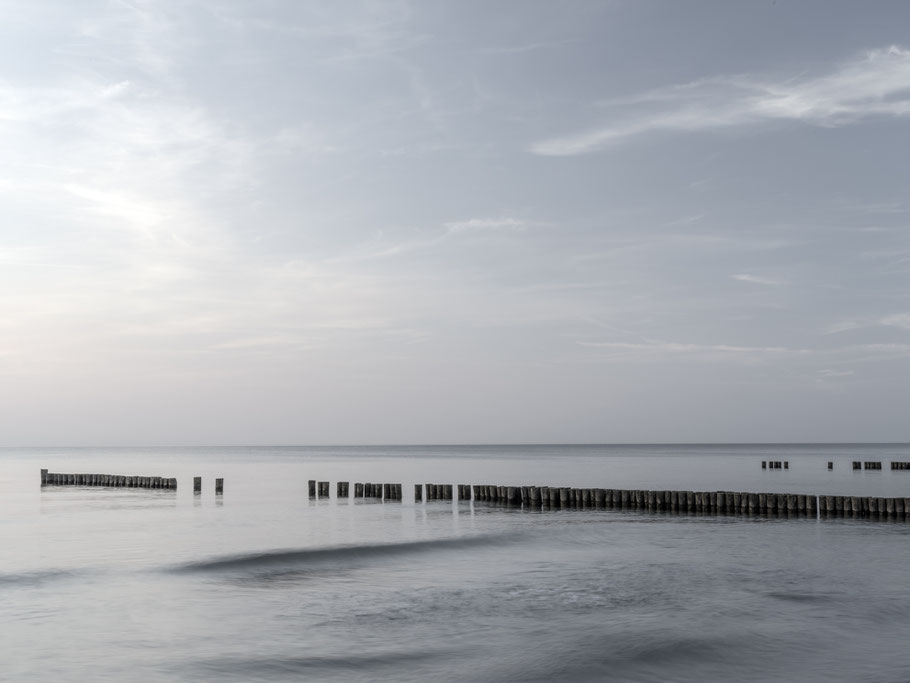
[717,502]
[320,489]
[857,465]
[121,481]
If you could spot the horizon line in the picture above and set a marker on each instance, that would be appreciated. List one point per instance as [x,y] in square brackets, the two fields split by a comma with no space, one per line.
[475,445]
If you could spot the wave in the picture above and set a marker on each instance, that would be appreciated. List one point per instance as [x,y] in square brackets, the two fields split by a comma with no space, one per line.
[36,578]
[334,554]
[249,668]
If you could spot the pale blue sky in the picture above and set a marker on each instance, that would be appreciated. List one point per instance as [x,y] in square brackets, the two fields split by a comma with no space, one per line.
[420,222]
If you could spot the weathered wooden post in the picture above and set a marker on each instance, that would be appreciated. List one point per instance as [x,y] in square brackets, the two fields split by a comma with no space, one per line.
[534,496]
[418,493]
[554,497]
[43,477]
[219,486]
[197,484]
[311,487]
[839,504]
[764,464]
[830,465]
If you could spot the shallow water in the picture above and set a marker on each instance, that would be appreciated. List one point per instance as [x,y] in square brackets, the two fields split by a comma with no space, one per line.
[264,584]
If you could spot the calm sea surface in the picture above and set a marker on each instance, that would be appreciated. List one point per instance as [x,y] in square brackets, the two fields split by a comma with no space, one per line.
[263,584]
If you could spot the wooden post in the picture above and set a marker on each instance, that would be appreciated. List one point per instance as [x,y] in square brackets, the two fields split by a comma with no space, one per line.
[554,497]
[219,486]
[418,492]
[197,484]
[311,488]
[830,465]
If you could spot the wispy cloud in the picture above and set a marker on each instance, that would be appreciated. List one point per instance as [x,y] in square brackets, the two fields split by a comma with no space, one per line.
[480,224]
[452,229]
[828,373]
[758,280]
[527,47]
[875,84]
[650,350]
[901,320]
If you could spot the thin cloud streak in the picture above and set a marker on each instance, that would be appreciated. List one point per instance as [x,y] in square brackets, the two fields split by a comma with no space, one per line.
[877,84]
[758,280]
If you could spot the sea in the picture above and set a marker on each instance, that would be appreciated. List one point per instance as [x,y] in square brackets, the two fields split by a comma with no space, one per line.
[264,584]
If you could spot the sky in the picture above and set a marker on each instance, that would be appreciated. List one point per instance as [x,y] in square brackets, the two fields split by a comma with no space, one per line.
[283,222]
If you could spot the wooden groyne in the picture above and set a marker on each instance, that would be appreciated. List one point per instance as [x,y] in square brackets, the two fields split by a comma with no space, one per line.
[386,491]
[107,480]
[543,498]
[709,502]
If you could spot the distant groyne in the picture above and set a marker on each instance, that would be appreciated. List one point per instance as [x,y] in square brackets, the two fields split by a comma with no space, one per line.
[107,480]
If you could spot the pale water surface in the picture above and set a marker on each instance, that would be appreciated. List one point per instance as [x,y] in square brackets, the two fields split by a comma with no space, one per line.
[263,584]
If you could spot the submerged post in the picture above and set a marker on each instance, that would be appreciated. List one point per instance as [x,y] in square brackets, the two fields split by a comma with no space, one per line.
[197,484]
